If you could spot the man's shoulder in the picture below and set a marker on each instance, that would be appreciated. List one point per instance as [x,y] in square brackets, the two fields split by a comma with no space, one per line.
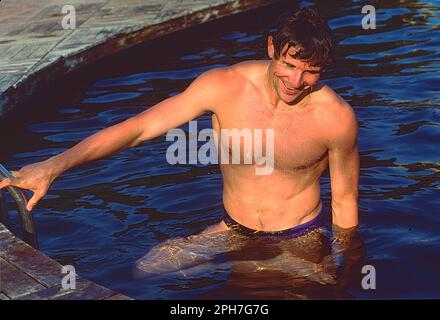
[250,70]
[336,115]
[212,84]
[233,78]
[333,107]
[224,77]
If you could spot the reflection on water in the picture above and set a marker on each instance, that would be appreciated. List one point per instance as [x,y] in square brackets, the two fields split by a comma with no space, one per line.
[104,216]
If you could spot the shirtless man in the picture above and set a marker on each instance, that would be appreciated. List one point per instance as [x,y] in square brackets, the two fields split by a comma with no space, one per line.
[314,128]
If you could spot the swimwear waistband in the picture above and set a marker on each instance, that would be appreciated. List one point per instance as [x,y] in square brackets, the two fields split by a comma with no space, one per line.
[294,232]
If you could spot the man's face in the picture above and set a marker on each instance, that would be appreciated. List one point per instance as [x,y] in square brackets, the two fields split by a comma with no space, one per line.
[290,77]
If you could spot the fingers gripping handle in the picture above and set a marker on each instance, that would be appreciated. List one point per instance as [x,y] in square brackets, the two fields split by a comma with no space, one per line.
[26,219]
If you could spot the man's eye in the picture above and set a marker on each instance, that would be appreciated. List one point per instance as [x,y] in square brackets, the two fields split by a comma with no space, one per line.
[290,65]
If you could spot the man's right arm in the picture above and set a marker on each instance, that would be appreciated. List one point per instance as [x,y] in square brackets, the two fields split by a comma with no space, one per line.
[201,96]
[197,99]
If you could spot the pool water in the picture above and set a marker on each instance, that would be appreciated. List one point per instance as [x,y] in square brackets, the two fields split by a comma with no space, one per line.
[105,215]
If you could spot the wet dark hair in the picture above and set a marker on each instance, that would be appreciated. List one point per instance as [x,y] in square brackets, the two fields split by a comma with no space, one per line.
[306,29]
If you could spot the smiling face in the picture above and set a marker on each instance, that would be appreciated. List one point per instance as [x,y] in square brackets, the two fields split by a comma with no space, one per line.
[290,77]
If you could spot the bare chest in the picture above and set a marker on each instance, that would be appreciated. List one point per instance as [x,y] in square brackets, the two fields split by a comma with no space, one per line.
[293,139]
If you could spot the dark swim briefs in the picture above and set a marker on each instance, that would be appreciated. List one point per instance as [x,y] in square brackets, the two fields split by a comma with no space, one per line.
[297,231]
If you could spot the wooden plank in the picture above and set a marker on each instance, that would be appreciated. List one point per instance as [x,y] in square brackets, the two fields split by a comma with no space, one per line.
[4,233]
[28,274]
[118,296]
[4,297]
[15,283]
[85,290]
[34,65]
[31,261]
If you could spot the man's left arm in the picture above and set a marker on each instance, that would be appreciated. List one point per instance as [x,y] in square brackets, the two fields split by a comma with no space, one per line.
[344,167]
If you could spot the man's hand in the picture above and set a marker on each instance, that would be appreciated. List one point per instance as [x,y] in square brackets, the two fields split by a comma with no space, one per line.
[36,177]
[348,245]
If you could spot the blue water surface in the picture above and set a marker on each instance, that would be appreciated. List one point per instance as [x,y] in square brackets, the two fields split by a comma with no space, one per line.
[103,216]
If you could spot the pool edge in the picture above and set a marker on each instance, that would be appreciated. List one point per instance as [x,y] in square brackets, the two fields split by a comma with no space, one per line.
[59,62]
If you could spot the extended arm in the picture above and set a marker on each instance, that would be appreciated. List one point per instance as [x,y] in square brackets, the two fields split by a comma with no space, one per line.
[198,98]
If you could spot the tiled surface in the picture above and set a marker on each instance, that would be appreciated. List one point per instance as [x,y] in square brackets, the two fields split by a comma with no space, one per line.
[32,40]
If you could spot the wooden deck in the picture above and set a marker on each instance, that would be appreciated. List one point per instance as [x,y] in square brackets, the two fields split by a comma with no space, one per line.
[36,52]
[28,274]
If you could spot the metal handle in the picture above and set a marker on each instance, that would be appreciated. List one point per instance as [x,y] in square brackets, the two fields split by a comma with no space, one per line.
[26,218]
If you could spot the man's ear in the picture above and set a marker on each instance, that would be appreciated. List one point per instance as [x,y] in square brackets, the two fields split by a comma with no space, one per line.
[270,47]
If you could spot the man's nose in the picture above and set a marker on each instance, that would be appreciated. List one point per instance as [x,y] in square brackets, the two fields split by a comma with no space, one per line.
[296,79]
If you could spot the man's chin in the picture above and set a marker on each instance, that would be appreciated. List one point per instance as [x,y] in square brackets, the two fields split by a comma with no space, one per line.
[292,99]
